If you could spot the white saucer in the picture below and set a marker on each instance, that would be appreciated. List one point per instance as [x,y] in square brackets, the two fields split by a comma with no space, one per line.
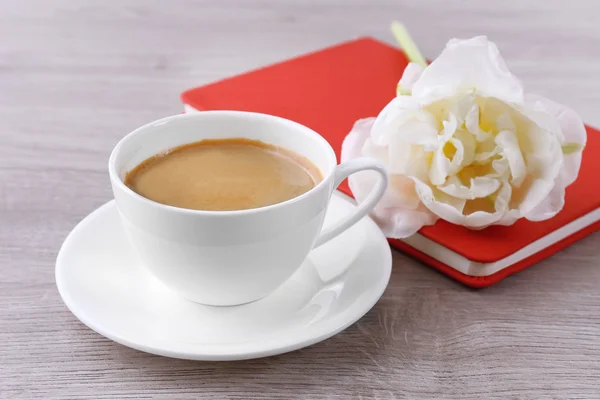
[102,282]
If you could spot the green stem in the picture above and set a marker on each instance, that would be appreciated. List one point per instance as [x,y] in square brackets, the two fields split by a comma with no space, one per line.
[407,44]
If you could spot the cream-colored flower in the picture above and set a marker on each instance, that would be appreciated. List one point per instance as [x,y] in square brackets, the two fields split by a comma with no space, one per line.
[462,142]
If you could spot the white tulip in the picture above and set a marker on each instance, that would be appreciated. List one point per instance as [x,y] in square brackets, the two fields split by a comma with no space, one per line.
[462,142]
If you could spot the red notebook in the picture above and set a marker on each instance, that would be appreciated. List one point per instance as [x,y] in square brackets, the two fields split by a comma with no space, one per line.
[329,90]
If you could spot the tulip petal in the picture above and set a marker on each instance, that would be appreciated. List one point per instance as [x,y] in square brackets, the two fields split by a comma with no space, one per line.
[400,194]
[473,64]
[472,119]
[391,117]
[544,161]
[535,195]
[472,124]
[483,186]
[484,157]
[411,74]
[447,208]
[500,168]
[501,215]
[469,144]
[407,159]
[552,203]
[440,167]
[507,140]
[572,129]
[480,187]
[399,223]
[505,123]
[481,219]
[454,187]
[486,149]
[355,140]
[458,157]
[502,203]
[450,126]
[420,128]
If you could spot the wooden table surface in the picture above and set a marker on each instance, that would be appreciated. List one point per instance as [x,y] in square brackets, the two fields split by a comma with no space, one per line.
[75,76]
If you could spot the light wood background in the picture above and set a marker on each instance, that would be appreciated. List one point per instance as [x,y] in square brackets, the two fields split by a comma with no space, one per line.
[75,76]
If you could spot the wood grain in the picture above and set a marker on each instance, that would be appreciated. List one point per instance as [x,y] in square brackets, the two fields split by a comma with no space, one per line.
[75,76]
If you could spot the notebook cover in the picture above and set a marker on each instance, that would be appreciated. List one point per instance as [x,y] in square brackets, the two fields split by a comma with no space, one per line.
[329,90]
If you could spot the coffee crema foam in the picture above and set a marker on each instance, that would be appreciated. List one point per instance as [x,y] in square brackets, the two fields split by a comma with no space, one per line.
[223,175]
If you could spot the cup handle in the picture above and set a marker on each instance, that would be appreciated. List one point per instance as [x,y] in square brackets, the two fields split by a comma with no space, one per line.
[343,171]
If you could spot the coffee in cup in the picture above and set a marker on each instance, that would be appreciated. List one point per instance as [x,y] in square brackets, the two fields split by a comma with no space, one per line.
[223,175]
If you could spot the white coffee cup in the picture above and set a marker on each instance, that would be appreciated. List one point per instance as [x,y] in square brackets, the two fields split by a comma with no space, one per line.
[231,257]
